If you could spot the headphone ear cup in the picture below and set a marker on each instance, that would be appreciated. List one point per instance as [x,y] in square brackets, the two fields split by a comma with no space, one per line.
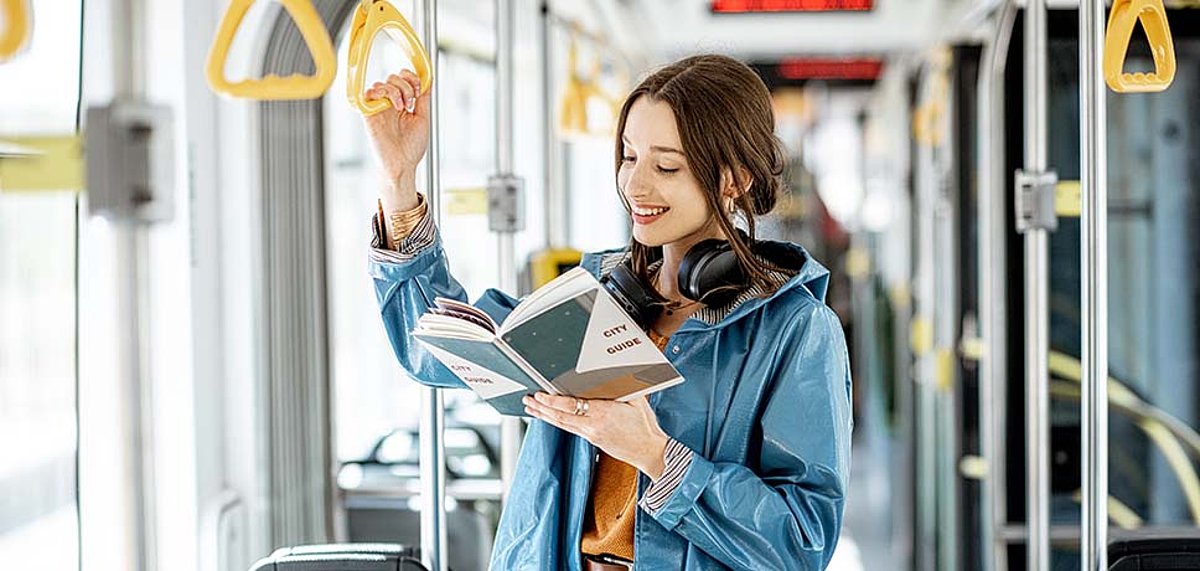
[710,273]
[624,287]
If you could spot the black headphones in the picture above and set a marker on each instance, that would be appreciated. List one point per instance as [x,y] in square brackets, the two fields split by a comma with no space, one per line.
[709,273]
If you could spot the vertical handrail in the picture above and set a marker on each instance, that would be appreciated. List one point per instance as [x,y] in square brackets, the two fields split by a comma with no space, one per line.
[992,299]
[1037,299]
[510,428]
[128,21]
[1094,290]
[433,449]
[554,190]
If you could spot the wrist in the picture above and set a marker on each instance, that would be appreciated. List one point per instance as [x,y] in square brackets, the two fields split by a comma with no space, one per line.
[400,194]
[654,464]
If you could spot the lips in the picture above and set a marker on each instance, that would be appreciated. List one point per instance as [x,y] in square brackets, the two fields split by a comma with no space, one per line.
[648,215]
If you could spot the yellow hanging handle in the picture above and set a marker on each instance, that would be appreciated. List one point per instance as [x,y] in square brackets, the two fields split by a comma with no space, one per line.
[577,91]
[16,29]
[1153,16]
[273,87]
[370,18]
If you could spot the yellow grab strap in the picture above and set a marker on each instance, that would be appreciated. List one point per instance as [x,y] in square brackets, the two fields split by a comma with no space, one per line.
[273,87]
[1153,16]
[16,30]
[577,91]
[370,17]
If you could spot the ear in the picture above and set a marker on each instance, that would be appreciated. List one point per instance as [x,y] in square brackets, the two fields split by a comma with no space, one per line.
[735,187]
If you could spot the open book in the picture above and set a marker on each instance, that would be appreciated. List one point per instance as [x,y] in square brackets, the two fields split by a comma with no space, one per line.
[569,337]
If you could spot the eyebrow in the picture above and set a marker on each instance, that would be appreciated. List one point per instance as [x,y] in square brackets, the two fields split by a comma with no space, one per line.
[658,148]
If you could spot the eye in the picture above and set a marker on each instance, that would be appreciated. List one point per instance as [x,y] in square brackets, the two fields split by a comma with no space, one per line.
[667,171]
[627,159]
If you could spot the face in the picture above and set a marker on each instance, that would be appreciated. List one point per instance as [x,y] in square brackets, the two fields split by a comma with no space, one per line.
[667,201]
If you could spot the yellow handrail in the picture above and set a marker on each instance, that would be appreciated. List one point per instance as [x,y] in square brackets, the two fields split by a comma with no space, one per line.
[572,116]
[1164,429]
[1170,447]
[273,87]
[370,17]
[1153,16]
[16,29]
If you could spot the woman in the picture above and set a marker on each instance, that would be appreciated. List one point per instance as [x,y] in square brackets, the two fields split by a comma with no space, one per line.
[745,464]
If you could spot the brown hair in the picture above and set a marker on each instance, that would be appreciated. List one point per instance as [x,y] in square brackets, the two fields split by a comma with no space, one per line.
[725,120]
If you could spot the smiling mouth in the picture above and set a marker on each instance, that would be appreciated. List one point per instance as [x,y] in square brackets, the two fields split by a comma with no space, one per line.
[649,212]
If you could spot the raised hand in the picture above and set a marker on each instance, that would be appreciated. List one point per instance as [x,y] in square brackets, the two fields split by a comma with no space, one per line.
[399,135]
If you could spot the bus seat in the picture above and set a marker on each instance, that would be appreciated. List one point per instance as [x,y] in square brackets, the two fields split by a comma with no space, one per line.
[1155,554]
[342,557]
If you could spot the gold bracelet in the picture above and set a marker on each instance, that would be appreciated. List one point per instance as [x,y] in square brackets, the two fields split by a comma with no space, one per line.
[403,223]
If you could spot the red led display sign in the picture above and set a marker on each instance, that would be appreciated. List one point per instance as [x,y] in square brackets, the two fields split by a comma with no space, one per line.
[754,6]
[851,69]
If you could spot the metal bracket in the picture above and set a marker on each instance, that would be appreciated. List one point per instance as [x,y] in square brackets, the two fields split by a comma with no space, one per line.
[506,203]
[1035,201]
[130,162]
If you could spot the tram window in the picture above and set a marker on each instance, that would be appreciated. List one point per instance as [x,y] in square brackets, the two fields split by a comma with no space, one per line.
[38,517]
[377,406]
[372,394]
[39,520]
[1154,286]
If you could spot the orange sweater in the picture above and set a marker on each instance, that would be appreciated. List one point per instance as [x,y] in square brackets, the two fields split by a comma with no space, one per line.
[608,523]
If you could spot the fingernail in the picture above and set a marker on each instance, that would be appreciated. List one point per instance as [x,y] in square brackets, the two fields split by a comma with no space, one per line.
[412,105]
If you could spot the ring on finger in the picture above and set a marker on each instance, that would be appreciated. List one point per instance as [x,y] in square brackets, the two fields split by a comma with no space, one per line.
[581,407]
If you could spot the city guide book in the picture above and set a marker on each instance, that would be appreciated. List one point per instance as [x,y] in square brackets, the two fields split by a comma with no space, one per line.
[569,338]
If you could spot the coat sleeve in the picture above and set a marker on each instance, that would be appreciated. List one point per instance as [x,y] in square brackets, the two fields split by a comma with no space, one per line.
[405,288]
[787,514]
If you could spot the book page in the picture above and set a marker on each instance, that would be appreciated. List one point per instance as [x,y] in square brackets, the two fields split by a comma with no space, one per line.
[572,283]
[451,326]
[455,308]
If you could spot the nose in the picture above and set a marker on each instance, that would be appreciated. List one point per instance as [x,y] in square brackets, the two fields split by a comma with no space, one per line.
[636,186]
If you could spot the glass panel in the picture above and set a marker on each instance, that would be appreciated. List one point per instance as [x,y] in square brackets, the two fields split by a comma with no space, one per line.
[38,516]
[39,524]
[1154,290]
[376,406]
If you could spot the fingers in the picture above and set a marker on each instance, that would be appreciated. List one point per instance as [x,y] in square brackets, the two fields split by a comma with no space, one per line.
[402,90]
[406,89]
[557,402]
[412,79]
[560,418]
[389,92]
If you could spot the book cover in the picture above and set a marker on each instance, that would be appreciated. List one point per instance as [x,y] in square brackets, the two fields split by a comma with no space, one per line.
[569,337]
[485,369]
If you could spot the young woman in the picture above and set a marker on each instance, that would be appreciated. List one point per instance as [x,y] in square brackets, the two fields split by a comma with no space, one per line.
[745,464]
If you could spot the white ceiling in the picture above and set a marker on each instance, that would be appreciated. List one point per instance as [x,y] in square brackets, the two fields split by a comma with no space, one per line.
[678,27]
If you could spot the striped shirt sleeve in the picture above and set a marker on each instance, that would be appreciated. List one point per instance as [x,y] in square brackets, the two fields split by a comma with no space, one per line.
[423,235]
[677,458]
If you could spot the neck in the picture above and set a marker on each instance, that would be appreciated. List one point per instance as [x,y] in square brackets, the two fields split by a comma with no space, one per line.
[673,253]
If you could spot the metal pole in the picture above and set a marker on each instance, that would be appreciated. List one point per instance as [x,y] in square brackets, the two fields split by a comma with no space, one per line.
[992,299]
[433,449]
[510,428]
[1094,241]
[132,242]
[555,204]
[1037,300]
[924,394]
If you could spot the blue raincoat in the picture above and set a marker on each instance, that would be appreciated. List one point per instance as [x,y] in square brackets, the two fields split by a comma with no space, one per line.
[765,407]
